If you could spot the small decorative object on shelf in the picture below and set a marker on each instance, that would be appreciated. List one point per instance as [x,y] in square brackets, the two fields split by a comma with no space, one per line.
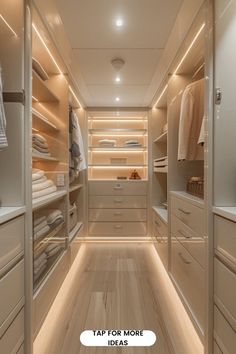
[195,186]
[121,177]
[135,175]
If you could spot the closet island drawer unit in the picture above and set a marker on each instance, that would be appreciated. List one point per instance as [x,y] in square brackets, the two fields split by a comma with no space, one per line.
[11,241]
[225,237]
[160,230]
[12,291]
[12,339]
[117,208]
[188,275]
[189,209]
[224,333]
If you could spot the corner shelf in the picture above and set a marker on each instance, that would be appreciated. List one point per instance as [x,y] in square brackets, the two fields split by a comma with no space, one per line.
[40,91]
[45,200]
[43,124]
[162,138]
[74,231]
[41,157]
[75,187]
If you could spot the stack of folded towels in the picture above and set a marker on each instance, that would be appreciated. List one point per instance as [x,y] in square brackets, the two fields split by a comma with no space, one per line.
[107,143]
[40,264]
[41,185]
[132,143]
[55,218]
[52,250]
[43,225]
[40,145]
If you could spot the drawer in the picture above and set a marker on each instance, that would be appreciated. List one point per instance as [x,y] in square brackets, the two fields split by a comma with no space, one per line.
[117,214]
[189,214]
[118,188]
[161,244]
[225,290]
[189,277]
[11,290]
[216,348]
[137,202]
[160,225]
[117,229]
[225,236]
[21,349]
[12,339]
[189,239]
[224,335]
[11,240]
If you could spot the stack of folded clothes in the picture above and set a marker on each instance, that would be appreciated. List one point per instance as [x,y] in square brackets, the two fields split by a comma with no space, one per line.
[41,227]
[41,185]
[40,145]
[40,264]
[43,224]
[52,250]
[132,143]
[55,218]
[107,143]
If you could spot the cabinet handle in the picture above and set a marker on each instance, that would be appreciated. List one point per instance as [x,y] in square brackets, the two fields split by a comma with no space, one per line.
[183,259]
[182,233]
[157,224]
[118,200]
[118,227]
[184,211]
[117,213]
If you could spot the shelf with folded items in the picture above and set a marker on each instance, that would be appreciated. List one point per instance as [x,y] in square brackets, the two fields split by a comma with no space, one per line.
[162,138]
[75,187]
[42,123]
[47,199]
[41,243]
[40,90]
[74,232]
[118,131]
[120,148]
[42,157]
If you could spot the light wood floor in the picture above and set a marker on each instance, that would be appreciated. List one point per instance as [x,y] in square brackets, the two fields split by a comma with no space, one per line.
[110,288]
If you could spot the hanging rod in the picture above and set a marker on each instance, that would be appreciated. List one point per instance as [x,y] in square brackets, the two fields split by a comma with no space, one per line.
[14,97]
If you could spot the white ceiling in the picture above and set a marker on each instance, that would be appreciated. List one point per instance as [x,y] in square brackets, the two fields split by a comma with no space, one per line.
[95,40]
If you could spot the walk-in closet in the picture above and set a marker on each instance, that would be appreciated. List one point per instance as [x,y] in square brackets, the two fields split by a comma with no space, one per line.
[117,177]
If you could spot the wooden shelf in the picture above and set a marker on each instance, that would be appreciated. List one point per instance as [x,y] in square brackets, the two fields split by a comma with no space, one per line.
[122,165]
[162,213]
[40,91]
[41,244]
[45,200]
[160,169]
[8,213]
[111,149]
[42,123]
[118,131]
[75,187]
[75,231]
[41,157]
[162,138]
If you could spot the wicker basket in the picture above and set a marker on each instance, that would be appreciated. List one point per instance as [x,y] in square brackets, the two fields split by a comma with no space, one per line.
[195,186]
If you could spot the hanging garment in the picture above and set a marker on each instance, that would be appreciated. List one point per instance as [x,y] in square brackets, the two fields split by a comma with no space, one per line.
[3,137]
[191,117]
[77,155]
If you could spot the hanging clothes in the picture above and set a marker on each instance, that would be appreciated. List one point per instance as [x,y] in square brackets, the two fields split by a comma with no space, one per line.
[191,121]
[3,137]
[77,155]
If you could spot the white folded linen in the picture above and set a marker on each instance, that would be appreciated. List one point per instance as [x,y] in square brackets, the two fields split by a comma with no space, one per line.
[40,226]
[39,137]
[37,174]
[40,272]
[53,252]
[42,185]
[39,260]
[54,215]
[40,180]
[36,151]
[44,192]
[39,219]
[41,233]
[38,268]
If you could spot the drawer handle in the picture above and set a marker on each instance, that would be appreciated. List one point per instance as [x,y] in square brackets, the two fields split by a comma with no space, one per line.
[184,211]
[118,227]
[117,213]
[182,233]
[157,224]
[183,259]
[118,200]
[118,188]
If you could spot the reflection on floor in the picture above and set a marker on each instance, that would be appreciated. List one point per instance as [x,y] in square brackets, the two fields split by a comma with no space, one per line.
[111,286]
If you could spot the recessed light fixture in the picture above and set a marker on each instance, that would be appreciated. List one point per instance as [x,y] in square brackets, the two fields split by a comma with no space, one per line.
[118,79]
[117,99]
[119,22]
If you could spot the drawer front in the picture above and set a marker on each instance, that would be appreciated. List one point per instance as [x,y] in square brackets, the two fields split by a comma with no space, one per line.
[189,239]
[96,202]
[216,348]
[225,336]
[117,229]
[161,244]
[118,188]
[11,290]
[225,236]
[225,290]
[189,276]
[12,339]
[11,240]
[189,214]
[160,225]
[117,214]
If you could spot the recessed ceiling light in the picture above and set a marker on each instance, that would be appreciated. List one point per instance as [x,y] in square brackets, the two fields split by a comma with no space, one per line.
[119,22]
[118,79]
[117,99]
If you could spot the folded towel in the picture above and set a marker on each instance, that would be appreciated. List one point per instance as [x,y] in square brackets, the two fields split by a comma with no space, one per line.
[44,192]
[40,226]
[40,143]
[40,259]
[39,137]
[40,272]
[38,268]
[53,251]
[42,185]
[42,233]
[51,247]
[38,220]
[37,174]
[56,223]
[40,180]
[39,149]
[54,215]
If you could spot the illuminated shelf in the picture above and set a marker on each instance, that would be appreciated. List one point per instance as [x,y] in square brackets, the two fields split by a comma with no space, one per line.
[42,123]
[40,91]
[111,149]
[47,199]
[116,166]
[130,132]
[42,157]
[75,187]
[162,138]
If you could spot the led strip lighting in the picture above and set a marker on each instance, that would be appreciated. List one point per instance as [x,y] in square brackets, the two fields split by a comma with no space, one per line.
[71,90]
[47,49]
[8,26]
[161,95]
